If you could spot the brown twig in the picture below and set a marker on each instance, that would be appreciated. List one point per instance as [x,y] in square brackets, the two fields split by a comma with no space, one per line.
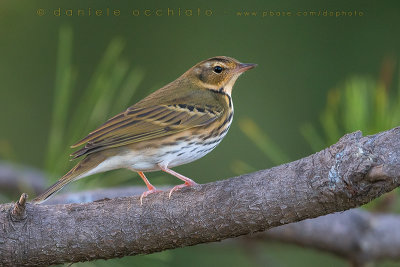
[18,213]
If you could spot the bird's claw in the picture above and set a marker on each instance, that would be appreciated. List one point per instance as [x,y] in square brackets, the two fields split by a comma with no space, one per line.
[186,184]
[146,193]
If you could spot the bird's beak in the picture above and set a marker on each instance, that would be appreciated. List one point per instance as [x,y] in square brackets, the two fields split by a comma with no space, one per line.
[242,67]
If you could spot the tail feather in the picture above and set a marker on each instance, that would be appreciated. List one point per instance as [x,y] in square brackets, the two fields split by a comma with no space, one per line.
[51,190]
[79,171]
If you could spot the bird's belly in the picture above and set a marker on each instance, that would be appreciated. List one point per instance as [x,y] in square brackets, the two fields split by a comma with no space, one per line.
[186,152]
[170,155]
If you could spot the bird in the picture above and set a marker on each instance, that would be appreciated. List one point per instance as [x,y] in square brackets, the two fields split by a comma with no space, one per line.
[175,125]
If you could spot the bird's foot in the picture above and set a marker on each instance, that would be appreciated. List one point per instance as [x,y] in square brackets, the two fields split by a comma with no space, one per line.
[186,184]
[148,192]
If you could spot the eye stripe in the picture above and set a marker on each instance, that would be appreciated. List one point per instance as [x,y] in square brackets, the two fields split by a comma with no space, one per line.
[219,59]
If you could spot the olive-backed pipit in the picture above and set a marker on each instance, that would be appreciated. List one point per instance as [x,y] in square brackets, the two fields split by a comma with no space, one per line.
[175,125]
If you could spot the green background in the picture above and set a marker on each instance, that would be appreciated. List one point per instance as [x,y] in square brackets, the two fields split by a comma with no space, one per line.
[299,60]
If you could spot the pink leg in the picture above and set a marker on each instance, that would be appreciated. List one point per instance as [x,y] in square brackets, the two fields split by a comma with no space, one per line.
[151,188]
[188,182]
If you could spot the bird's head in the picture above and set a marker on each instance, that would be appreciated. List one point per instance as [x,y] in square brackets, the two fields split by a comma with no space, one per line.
[218,73]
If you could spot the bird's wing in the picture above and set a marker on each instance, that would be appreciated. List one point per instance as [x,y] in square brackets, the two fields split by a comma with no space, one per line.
[139,124]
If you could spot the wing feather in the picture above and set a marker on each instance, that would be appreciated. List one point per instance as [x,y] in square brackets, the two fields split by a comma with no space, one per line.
[142,124]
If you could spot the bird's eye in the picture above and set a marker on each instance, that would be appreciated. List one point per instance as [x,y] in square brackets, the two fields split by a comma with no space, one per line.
[217,69]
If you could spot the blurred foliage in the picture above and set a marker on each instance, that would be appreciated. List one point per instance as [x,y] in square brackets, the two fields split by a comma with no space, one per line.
[267,146]
[362,103]
[110,90]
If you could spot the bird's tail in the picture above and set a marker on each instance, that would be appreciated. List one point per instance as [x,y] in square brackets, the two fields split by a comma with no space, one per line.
[79,171]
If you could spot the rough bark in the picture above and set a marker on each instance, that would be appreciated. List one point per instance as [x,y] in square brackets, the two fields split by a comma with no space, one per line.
[348,174]
[356,235]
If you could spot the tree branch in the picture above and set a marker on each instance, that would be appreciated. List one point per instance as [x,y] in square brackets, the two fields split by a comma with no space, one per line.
[345,175]
[356,235]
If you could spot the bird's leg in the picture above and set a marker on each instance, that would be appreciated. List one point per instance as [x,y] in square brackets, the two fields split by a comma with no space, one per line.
[151,188]
[188,182]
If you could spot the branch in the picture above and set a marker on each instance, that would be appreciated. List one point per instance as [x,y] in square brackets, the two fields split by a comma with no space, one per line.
[356,235]
[348,174]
